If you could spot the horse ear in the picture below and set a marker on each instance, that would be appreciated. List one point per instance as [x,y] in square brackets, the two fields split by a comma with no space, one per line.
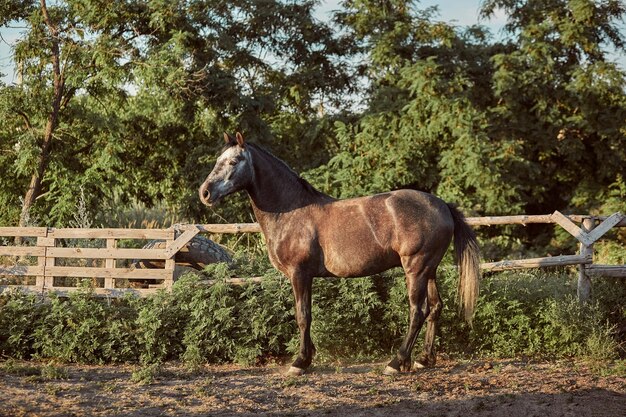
[227,138]
[240,140]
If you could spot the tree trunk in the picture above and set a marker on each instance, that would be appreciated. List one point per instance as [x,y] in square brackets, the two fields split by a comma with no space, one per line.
[34,189]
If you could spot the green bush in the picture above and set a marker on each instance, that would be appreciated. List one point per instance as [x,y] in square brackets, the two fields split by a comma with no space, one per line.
[533,313]
[519,313]
[84,329]
[19,313]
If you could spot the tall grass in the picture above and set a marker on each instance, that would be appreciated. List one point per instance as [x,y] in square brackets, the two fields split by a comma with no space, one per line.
[519,313]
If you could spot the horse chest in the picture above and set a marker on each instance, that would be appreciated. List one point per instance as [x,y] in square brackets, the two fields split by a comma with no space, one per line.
[292,249]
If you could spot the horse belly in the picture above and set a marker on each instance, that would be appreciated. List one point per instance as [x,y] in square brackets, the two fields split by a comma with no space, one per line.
[353,252]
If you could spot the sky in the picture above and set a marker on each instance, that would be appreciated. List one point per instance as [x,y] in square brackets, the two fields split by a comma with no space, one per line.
[458,12]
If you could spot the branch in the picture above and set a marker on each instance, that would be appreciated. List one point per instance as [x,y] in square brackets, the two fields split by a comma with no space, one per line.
[46,17]
[26,119]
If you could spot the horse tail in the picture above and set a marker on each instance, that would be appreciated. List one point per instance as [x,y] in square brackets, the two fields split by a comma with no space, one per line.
[467,257]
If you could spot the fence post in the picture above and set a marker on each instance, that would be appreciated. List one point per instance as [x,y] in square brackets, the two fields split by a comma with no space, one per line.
[170,265]
[584,281]
[47,261]
[110,263]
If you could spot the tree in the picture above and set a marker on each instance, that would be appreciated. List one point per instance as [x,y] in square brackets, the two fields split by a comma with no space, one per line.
[426,115]
[562,100]
[522,124]
[60,59]
[119,97]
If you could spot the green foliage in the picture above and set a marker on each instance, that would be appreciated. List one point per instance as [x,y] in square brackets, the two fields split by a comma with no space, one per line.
[146,374]
[531,313]
[535,314]
[19,313]
[43,372]
[346,319]
[142,86]
[83,329]
[160,324]
[386,97]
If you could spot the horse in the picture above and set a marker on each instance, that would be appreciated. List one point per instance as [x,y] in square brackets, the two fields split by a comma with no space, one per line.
[310,234]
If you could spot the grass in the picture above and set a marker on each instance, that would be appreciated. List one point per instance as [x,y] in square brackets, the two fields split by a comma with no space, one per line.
[34,371]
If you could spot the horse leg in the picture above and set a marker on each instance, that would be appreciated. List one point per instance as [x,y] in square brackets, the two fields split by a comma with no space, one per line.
[435,305]
[417,284]
[302,288]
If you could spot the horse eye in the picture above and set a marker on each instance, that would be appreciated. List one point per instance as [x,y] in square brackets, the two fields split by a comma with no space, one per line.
[233,162]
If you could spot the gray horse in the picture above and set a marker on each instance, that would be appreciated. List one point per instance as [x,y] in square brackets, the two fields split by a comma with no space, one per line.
[310,234]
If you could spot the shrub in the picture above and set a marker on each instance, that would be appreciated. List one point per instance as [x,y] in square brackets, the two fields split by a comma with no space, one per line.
[346,318]
[518,313]
[83,328]
[19,313]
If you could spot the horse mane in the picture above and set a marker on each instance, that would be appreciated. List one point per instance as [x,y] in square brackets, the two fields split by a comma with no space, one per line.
[310,189]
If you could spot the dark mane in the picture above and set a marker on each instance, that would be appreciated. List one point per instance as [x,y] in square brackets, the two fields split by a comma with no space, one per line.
[304,183]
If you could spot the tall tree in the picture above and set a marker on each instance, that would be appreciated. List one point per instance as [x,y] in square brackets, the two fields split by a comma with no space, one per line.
[119,97]
[425,119]
[561,99]
[60,58]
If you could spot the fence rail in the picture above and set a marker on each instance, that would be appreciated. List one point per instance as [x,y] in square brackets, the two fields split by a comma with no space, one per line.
[47,255]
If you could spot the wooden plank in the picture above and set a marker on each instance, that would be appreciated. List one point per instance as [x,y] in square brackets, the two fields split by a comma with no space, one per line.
[605,226]
[614,271]
[106,292]
[70,233]
[571,228]
[23,231]
[26,288]
[239,281]
[42,261]
[503,220]
[21,270]
[98,292]
[22,251]
[40,279]
[180,241]
[92,272]
[170,264]
[229,228]
[45,241]
[107,253]
[536,262]
[47,261]
[583,288]
[472,221]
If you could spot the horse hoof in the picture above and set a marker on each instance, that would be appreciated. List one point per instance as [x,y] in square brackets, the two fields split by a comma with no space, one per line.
[418,365]
[389,371]
[294,371]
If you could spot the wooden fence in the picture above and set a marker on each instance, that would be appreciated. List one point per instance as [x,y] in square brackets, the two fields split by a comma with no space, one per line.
[47,257]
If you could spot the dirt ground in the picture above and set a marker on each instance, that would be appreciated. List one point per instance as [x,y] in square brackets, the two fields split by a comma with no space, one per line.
[486,388]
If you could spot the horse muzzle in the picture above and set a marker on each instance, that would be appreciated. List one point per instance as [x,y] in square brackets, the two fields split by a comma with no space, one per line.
[207,197]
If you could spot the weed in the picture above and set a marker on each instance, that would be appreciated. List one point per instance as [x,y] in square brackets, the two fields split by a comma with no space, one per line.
[13,367]
[605,368]
[52,389]
[294,381]
[529,313]
[205,390]
[52,371]
[147,374]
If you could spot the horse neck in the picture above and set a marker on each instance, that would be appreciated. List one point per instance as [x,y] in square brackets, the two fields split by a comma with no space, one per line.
[276,189]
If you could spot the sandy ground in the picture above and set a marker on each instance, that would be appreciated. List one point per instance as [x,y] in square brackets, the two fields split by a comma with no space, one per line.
[486,388]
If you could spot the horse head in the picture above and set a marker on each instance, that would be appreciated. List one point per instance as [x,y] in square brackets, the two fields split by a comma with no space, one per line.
[232,171]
